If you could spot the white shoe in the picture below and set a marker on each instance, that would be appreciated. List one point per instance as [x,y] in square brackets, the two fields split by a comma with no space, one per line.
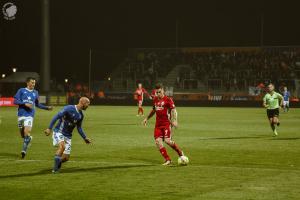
[182,153]
[275,133]
[167,163]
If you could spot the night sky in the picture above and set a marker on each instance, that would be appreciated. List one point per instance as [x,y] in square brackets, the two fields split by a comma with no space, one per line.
[111,27]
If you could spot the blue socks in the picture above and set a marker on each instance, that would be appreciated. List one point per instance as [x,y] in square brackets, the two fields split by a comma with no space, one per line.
[26,142]
[57,163]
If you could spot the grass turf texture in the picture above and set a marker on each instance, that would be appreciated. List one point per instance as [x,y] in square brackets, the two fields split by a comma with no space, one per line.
[232,156]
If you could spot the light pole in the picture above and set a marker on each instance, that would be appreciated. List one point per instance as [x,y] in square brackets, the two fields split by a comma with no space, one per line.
[176,36]
[262,23]
[45,46]
[90,69]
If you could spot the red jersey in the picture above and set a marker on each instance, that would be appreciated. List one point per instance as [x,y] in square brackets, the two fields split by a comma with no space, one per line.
[140,93]
[162,109]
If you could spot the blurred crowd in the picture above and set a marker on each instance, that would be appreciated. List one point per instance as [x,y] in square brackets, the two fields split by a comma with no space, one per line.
[147,65]
[243,69]
[230,70]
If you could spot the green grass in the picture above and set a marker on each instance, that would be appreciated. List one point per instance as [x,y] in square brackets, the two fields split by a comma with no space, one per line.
[232,156]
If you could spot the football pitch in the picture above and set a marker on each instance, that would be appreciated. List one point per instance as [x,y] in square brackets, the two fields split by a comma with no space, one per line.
[231,150]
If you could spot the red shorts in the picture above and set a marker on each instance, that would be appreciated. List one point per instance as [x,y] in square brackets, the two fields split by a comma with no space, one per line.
[140,102]
[162,132]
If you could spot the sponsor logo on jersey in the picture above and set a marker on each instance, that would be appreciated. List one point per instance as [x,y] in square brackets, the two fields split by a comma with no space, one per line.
[160,105]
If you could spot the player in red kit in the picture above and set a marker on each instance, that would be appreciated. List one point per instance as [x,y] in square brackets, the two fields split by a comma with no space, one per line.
[164,107]
[139,92]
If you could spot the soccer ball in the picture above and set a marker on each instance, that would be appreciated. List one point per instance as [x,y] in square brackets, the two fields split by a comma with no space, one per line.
[183,160]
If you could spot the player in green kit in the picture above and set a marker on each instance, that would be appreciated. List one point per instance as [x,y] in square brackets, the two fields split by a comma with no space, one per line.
[272,101]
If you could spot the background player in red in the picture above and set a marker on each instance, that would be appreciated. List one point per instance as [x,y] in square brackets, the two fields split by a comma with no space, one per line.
[139,92]
[164,107]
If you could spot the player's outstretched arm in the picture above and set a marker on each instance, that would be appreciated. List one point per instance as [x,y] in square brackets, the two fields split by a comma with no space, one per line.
[265,105]
[145,121]
[53,121]
[88,140]
[83,135]
[47,131]
[41,106]
[174,118]
[148,95]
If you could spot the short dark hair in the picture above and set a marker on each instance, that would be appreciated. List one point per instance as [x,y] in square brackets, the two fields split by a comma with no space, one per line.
[29,79]
[159,86]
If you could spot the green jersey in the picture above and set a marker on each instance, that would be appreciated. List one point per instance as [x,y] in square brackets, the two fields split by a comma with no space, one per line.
[272,100]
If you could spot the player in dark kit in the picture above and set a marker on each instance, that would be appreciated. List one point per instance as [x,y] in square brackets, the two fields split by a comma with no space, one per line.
[286,99]
[68,118]
[27,100]
[164,107]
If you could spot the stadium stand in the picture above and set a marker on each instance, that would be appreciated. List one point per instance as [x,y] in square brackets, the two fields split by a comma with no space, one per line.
[207,69]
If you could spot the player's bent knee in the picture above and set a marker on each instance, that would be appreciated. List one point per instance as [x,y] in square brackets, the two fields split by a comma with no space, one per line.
[61,146]
[65,158]
[158,142]
[27,130]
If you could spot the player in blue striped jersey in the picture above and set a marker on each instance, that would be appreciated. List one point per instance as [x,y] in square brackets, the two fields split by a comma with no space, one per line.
[286,99]
[68,118]
[27,99]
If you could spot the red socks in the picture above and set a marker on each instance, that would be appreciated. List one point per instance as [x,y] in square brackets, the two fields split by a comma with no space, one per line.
[140,110]
[164,153]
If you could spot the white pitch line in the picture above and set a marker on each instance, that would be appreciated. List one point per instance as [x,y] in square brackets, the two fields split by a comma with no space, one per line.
[247,168]
[147,164]
[75,161]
